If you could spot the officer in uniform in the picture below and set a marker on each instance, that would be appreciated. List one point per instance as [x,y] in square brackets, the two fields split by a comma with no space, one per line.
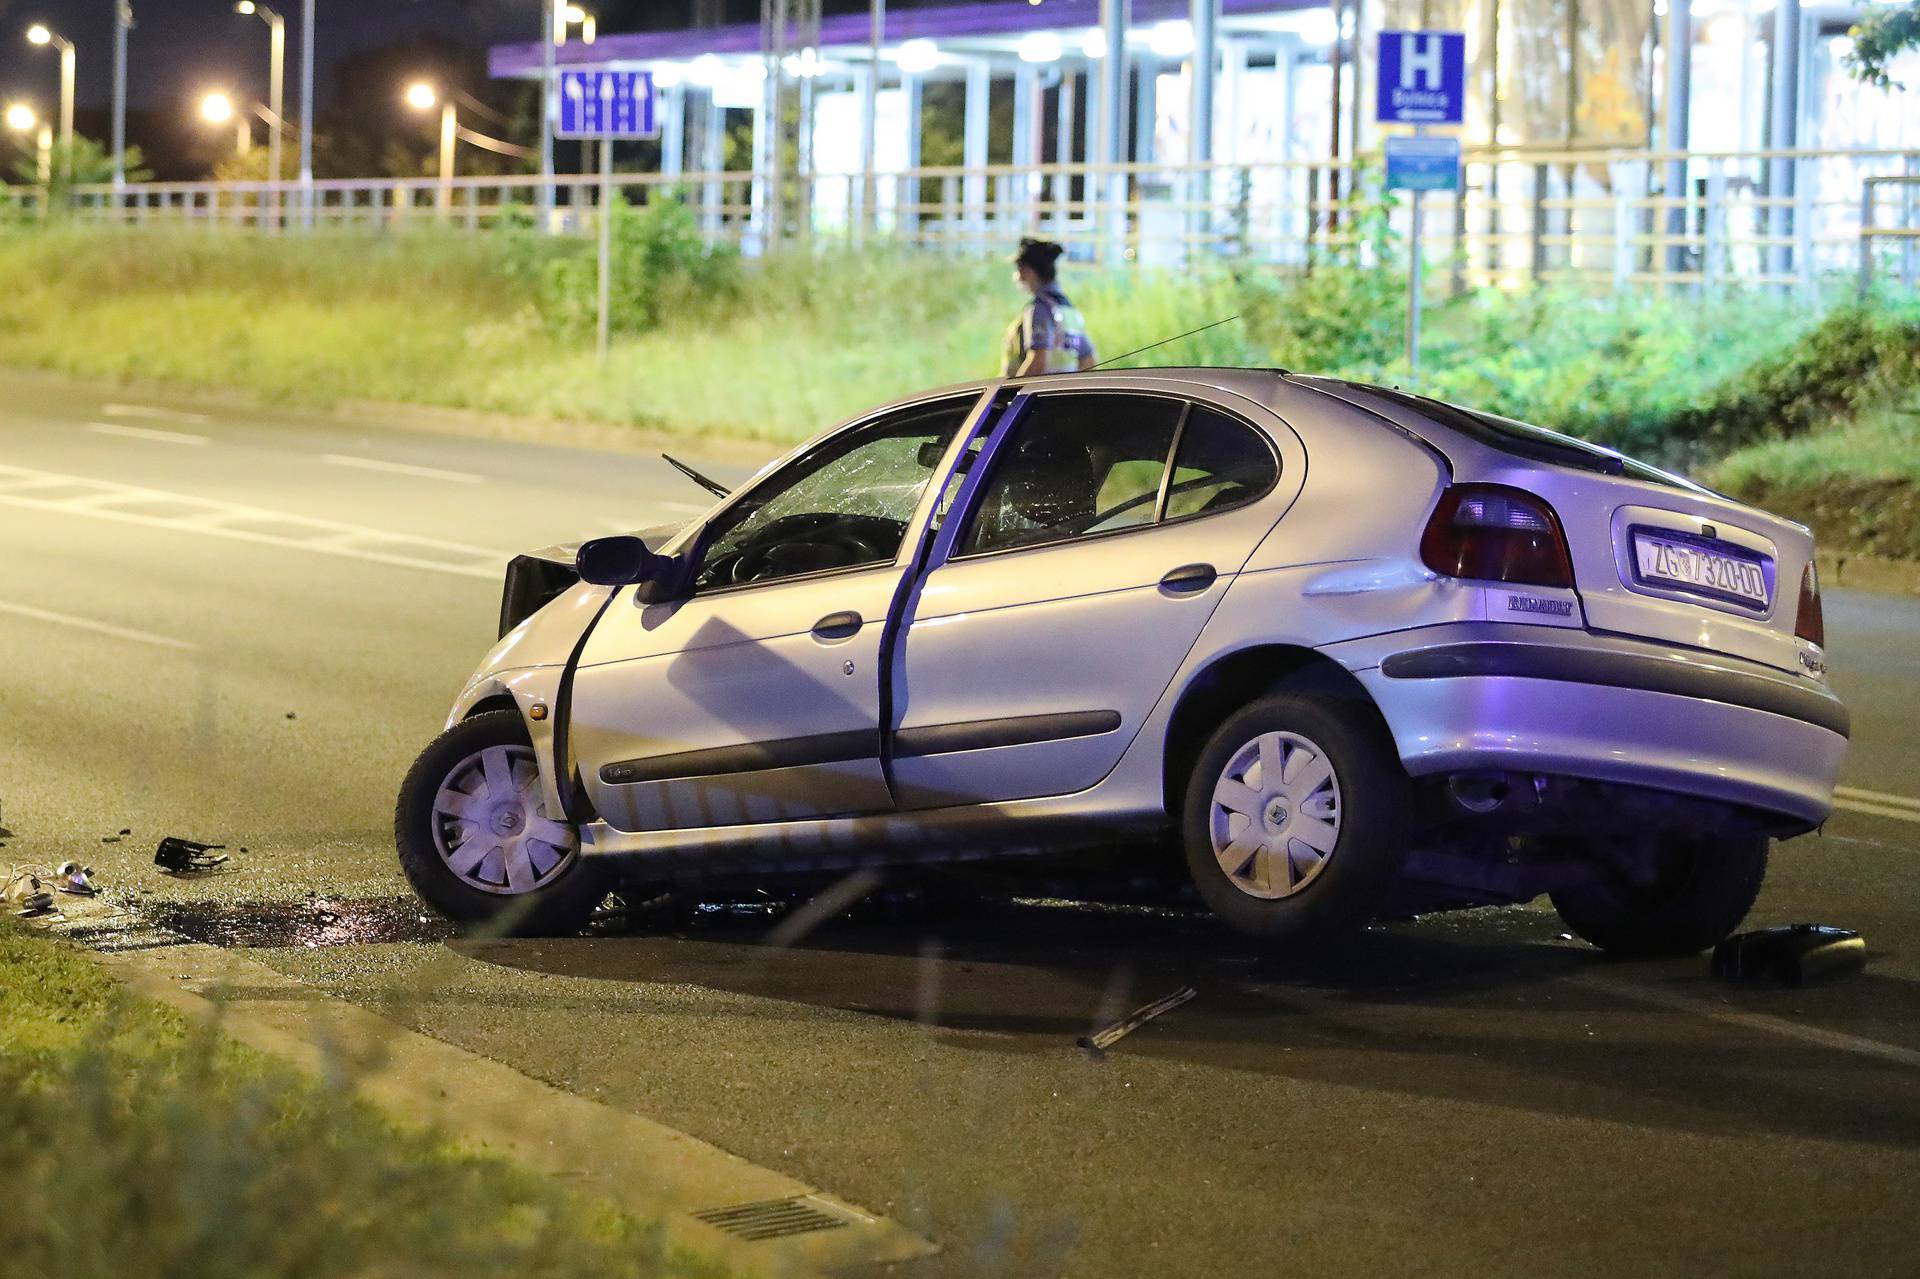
[1050,336]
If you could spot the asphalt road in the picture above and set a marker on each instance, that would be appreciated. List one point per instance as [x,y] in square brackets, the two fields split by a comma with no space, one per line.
[252,652]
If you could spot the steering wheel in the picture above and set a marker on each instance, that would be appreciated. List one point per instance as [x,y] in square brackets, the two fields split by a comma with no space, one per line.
[797,544]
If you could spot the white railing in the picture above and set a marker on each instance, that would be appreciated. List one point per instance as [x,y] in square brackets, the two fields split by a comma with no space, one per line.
[1791,218]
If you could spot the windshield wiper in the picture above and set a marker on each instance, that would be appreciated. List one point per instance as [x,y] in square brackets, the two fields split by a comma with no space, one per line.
[712,486]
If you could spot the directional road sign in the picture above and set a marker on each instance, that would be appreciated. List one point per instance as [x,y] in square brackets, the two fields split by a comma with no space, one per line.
[1423,163]
[606,104]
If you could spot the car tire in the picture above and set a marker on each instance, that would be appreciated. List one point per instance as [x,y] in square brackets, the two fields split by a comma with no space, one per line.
[519,884]
[1705,888]
[1327,850]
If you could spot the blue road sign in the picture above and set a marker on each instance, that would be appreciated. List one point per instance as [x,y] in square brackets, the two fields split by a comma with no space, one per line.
[1423,164]
[1423,77]
[606,104]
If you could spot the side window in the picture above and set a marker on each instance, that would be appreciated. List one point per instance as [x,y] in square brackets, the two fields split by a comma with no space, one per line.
[1077,464]
[844,505]
[1222,463]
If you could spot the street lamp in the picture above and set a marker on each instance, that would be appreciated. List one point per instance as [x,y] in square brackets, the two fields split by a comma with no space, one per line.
[22,118]
[39,33]
[276,76]
[422,96]
[218,108]
[568,16]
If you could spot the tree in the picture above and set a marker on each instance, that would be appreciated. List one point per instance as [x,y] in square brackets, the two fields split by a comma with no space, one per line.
[91,165]
[1879,38]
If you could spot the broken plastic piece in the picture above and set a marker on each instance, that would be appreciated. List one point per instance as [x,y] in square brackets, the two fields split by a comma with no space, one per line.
[184,856]
[74,878]
[1791,955]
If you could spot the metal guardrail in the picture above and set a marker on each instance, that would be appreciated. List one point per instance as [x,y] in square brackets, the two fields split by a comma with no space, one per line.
[1789,218]
[1907,233]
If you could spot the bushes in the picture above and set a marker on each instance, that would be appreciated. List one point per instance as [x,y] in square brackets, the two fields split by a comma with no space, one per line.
[662,268]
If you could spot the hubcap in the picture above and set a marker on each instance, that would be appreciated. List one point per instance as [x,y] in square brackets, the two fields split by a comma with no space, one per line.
[491,826]
[1275,817]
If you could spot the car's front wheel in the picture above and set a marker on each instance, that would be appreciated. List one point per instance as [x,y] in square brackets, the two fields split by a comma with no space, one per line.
[1699,893]
[1296,818]
[477,842]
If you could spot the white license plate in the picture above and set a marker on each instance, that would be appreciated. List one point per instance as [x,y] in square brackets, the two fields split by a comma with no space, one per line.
[1668,562]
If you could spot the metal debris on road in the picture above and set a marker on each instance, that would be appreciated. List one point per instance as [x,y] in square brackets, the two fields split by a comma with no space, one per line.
[1791,955]
[22,888]
[1099,1041]
[76,879]
[187,856]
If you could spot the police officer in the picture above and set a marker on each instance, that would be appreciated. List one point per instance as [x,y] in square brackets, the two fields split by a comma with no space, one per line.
[1050,336]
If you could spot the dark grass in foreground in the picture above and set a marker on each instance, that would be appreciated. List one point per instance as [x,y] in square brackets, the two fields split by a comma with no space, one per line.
[134,1143]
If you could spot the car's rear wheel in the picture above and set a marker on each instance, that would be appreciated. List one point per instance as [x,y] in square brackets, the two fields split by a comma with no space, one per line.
[476,839]
[1296,818]
[1700,892]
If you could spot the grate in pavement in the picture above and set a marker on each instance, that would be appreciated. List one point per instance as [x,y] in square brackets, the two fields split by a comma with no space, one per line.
[771,1218]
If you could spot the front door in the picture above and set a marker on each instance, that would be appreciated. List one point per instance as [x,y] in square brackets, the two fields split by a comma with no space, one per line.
[1106,529]
[756,698]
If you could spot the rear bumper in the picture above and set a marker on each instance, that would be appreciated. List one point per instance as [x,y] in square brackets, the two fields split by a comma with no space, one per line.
[1477,696]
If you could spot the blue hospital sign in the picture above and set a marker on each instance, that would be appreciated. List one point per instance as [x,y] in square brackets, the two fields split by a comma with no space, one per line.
[606,104]
[1423,77]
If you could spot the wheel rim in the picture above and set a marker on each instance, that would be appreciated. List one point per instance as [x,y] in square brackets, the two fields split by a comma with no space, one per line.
[491,826]
[1275,816]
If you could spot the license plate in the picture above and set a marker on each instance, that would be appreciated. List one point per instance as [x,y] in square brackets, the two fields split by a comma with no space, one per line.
[1692,566]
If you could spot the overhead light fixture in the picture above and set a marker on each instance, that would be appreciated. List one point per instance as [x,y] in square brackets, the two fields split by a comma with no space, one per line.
[216,108]
[1317,26]
[1041,46]
[1171,39]
[917,57]
[1095,44]
[20,117]
[667,75]
[421,96]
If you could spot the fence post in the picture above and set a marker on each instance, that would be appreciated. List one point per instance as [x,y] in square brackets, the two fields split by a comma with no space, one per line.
[1715,228]
[1539,230]
[1622,224]
[1866,237]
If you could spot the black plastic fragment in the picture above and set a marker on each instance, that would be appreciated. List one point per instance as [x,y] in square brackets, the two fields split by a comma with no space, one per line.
[1791,955]
[184,856]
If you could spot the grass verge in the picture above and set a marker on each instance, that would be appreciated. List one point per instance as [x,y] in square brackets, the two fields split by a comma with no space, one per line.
[131,1142]
[1857,486]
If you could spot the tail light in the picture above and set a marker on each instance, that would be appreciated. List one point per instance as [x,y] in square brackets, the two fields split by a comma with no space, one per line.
[1811,623]
[1491,533]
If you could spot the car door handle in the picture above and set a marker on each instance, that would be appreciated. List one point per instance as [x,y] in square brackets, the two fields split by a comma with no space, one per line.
[1189,578]
[837,626]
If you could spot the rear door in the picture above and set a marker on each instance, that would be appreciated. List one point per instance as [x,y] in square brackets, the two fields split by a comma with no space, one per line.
[1080,571]
[756,698]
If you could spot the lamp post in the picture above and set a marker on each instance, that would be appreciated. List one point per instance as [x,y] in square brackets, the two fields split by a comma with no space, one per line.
[218,108]
[22,119]
[422,96]
[39,33]
[548,17]
[306,112]
[122,23]
[276,76]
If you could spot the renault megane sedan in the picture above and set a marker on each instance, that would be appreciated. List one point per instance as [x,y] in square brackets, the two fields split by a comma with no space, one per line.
[1334,645]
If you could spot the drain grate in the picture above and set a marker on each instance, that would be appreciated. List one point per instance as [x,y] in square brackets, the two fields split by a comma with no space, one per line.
[771,1219]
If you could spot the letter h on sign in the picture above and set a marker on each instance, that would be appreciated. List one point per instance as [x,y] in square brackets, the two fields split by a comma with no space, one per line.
[1423,77]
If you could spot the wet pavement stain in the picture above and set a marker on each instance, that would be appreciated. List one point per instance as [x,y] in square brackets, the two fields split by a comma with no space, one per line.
[314,922]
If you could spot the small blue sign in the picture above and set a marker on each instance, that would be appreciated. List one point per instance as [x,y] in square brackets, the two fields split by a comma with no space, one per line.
[1423,77]
[606,104]
[1423,164]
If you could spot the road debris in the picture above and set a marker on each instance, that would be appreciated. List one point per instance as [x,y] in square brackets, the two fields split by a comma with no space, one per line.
[76,879]
[186,856]
[114,839]
[1791,955]
[22,887]
[1099,1041]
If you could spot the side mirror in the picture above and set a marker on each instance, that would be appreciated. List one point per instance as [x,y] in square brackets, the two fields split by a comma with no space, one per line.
[617,561]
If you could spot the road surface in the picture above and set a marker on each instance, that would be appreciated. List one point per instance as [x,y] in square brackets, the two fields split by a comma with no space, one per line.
[251,649]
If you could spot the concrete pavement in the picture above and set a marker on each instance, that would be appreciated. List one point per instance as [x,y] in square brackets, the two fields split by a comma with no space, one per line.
[1465,1094]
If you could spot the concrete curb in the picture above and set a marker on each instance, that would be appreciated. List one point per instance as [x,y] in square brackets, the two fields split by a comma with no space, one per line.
[654,1171]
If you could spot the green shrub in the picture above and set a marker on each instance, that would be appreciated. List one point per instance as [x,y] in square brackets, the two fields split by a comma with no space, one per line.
[662,267]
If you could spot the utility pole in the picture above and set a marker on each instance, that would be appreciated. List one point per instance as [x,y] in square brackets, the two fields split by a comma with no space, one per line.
[869,118]
[122,23]
[546,114]
[306,112]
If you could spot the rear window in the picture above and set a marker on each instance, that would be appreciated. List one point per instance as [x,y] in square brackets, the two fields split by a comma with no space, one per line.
[1534,443]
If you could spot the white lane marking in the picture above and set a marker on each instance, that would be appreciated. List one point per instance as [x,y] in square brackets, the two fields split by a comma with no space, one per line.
[98,628]
[1839,1041]
[1877,810]
[98,499]
[146,411]
[146,433]
[401,468]
[1876,797]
